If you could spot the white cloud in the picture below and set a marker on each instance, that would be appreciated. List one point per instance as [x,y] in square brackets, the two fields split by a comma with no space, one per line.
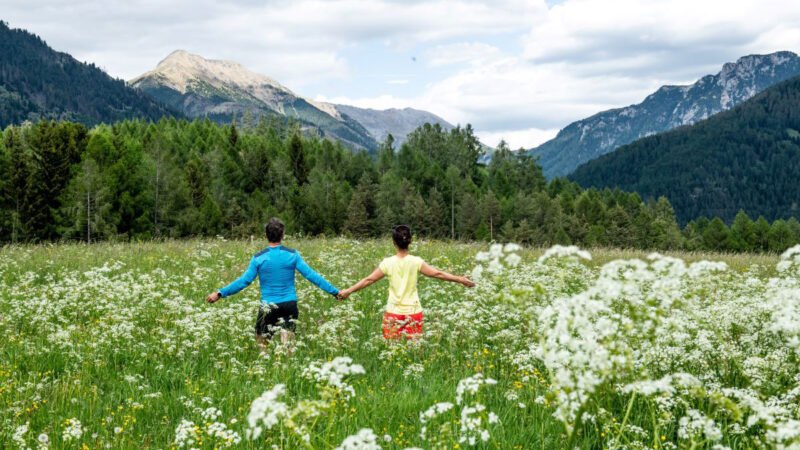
[469,52]
[661,38]
[516,139]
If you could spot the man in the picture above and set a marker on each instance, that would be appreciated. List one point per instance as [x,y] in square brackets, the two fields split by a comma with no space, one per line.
[275,267]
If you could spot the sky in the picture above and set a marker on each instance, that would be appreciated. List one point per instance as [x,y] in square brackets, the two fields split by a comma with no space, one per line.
[517,70]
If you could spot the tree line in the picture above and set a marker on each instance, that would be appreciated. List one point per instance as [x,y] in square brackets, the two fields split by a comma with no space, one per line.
[174,178]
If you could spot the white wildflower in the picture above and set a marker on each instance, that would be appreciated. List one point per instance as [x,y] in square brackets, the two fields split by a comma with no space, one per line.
[19,435]
[333,374]
[266,411]
[186,434]
[73,430]
[365,439]
[560,251]
[471,385]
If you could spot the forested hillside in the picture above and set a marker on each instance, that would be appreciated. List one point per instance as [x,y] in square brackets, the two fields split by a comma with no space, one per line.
[173,178]
[37,82]
[665,109]
[746,158]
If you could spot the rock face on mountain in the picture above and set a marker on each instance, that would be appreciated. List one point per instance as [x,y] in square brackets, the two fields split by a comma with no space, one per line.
[665,109]
[397,122]
[221,90]
[37,82]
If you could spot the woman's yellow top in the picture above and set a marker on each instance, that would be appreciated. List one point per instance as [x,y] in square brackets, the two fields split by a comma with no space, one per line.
[402,274]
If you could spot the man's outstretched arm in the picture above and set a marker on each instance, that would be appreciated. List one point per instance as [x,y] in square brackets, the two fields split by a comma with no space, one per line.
[308,273]
[375,276]
[242,282]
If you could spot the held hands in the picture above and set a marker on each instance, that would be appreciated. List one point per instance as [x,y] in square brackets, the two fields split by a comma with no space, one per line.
[343,294]
[213,297]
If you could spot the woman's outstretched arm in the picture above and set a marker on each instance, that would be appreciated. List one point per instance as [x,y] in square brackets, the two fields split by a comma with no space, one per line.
[376,275]
[432,272]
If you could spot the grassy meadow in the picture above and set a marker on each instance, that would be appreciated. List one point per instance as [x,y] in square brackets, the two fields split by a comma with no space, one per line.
[113,346]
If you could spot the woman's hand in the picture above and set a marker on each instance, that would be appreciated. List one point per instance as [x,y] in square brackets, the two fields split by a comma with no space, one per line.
[343,294]
[213,297]
[467,282]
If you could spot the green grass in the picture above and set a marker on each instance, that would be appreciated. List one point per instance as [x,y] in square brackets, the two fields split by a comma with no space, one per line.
[72,337]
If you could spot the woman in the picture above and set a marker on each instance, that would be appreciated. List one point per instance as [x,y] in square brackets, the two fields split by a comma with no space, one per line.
[403,316]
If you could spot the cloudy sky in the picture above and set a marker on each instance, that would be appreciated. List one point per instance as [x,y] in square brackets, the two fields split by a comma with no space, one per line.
[514,69]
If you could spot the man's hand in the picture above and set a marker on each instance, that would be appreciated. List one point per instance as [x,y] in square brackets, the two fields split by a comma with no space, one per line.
[213,297]
[467,282]
[343,294]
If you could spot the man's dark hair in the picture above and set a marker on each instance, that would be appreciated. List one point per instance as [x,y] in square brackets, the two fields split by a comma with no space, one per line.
[401,235]
[275,230]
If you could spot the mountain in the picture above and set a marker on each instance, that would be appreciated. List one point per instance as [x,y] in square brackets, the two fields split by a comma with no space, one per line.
[745,158]
[667,108]
[222,89]
[37,82]
[397,122]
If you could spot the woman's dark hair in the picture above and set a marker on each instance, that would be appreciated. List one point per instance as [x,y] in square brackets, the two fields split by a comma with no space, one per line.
[274,230]
[401,235]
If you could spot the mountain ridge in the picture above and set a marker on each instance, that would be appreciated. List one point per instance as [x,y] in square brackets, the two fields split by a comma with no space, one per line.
[222,89]
[747,157]
[668,107]
[39,82]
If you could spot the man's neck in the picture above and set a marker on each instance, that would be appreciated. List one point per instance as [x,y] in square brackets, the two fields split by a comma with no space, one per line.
[274,244]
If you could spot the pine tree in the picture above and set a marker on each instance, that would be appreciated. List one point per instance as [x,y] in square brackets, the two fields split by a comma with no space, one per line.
[562,238]
[508,232]
[386,156]
[436,219]
[780,236]
[297,159]
[761,234]
[86,207]
[361,209]
[19,168]
[56,148]
[716,236]
[743,237]
[469,216]
[357,221]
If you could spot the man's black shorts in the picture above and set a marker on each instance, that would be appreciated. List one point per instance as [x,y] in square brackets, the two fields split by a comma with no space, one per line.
[274,315]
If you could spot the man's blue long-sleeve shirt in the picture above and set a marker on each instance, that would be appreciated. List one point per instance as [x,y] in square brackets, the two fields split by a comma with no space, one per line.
[275,268]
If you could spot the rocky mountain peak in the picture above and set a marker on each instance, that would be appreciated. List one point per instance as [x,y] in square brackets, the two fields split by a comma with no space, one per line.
[180,68]
[219,89]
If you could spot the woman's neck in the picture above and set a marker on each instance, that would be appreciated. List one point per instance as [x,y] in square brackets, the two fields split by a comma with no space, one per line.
[402,252]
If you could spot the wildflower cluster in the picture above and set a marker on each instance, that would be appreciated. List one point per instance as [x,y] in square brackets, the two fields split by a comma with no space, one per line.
[210,429]
[365,439]
[473,418]
[332,375]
